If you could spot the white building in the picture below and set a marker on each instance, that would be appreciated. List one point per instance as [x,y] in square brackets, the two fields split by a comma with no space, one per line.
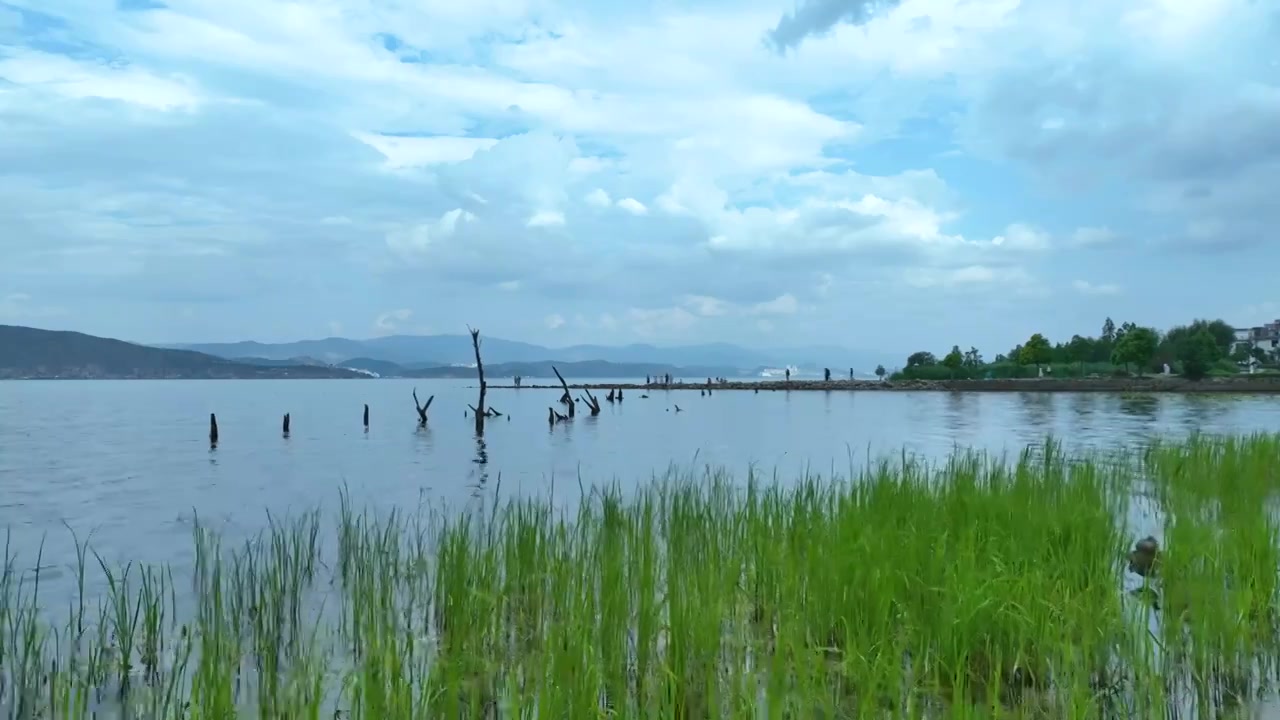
[1265,337]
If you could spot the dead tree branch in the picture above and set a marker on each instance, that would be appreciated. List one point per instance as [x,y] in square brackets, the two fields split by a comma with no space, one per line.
[567,398]
[479,410]
[422,409]
[592,402]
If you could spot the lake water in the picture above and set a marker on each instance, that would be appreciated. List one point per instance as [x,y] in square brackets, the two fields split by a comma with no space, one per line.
[130,460]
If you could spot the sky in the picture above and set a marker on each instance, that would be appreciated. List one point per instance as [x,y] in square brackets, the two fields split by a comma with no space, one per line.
[874,174]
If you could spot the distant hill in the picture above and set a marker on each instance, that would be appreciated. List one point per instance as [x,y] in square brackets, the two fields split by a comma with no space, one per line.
[33,353]
[423,351]
[572,371]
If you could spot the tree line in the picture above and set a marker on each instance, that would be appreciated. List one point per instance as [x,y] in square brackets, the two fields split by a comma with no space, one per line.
[1195,351]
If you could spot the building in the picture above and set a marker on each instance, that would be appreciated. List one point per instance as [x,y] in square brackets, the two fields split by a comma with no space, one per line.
[1265,337]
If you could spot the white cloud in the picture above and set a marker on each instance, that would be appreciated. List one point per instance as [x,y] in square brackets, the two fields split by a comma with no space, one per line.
[390,321]
[1085,287]
[968,276]
[411,152]
[661,322]
[354,157]
[633,206]
[599,198]
[546,218]
[1092,236]
[61,76]
[554,321]
[1022,237]
[781,305]
[413,241]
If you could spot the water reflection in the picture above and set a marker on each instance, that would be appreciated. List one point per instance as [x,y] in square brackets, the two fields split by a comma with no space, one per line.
[479,475]
[957,415]
[1206,409]
[1144,406]
[1083,406]
[1037,411]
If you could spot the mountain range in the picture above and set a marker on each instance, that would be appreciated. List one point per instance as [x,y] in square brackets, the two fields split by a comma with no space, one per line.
[33,353]
[419,351]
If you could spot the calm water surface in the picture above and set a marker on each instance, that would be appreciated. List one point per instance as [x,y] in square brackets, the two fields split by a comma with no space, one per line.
[129,461]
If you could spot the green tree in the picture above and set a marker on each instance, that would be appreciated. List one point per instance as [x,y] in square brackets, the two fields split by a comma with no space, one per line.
[880,371]
[1079,350]
[1198,353]
[973,358]
[1108,331]
[921,359]
[954,360]
[1240,354]
[1258,354]
[1036,351]
[1135,346]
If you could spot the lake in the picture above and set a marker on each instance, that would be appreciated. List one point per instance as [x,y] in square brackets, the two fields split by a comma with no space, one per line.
[130,460]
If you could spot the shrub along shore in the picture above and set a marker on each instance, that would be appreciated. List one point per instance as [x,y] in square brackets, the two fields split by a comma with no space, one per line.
[1245,384]
[982,587]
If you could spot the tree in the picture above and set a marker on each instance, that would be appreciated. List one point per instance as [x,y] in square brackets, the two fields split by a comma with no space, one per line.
[880,371]
[1108,331]
[921,359]
[953,360]
[1135,346]
[1036,351]
[1080,349]
[1259,354]
[1240,354]
[973,358]
[1198,353]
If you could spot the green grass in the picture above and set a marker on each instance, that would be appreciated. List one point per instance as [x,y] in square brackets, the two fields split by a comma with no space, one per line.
[980,588]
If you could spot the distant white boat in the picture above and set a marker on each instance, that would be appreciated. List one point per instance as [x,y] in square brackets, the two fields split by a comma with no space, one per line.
[779,372]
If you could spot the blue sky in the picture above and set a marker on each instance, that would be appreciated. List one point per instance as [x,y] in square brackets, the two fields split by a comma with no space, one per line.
[884,175]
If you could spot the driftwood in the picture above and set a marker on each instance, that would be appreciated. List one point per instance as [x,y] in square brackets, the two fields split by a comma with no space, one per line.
[554,417]
[213,429]
[609,397]
[422,409]
[619,394]
[479,410]
[284,426]
[565,399]
[366,416]
[592,402]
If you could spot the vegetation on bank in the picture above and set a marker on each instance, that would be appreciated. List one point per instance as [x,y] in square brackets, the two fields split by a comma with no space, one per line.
[1202,349]
[981,588]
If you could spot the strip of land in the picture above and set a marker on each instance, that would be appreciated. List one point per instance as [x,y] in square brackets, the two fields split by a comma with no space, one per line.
[1257,384]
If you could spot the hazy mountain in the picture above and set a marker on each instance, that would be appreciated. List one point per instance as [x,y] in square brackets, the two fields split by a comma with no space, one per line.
[572,371]
[440,350]
[32,353]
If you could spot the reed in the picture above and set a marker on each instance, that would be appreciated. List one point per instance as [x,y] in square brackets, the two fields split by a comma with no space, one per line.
[981,587]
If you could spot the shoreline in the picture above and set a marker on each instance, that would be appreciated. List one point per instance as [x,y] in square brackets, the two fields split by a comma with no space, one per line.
[1150,384]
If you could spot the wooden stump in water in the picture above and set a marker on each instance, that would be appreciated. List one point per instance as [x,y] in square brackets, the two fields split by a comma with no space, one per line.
[285,425]
[213,429]
[366,416]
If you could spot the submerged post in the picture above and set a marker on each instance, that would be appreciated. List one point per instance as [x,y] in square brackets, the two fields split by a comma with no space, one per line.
[213,429]
[285,425]
[366,416]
